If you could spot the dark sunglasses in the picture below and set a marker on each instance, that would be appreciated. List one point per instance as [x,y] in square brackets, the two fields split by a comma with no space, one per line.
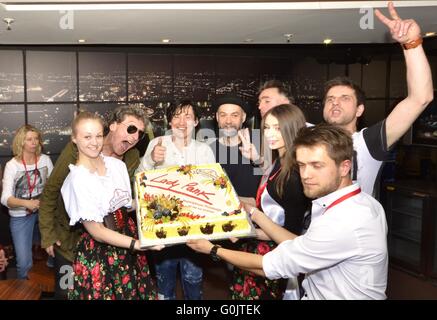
[131,129]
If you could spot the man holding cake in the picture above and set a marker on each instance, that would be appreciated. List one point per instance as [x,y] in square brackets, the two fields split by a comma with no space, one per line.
[178,148]
[344,252]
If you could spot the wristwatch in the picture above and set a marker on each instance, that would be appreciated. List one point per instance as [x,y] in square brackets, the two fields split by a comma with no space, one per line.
[213,253]
[132,246]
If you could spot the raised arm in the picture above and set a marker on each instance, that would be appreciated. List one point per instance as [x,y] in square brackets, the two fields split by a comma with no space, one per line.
[419,78]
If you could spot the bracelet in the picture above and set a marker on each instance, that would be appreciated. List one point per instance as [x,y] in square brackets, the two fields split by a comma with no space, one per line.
[252,210]
[412,44]
[132,246]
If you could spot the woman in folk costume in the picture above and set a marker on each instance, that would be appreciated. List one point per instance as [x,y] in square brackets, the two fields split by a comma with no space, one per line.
[107,264]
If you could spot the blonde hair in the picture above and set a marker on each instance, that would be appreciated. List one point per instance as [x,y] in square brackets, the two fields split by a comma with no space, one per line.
[85,115]
[20,137]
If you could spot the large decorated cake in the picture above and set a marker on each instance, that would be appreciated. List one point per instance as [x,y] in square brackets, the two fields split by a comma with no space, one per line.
[188,202]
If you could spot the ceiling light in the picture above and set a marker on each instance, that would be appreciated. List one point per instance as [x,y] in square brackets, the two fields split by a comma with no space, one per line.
[288,37]
[312,5]
[327,41]
[248,40]
[8,22]
[81,40]
[165,40]
[430,34]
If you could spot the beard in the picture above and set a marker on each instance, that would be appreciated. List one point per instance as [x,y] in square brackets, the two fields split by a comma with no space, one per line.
[229,132]
[321,191]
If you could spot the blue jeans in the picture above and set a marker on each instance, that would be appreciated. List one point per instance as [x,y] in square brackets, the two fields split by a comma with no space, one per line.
[191,276]
[24,230]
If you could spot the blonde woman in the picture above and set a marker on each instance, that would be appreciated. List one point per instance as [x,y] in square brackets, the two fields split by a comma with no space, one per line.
[23,181]
[106,264]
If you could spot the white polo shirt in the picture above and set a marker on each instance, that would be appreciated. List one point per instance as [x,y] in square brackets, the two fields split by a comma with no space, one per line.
[195,152]
[343,253]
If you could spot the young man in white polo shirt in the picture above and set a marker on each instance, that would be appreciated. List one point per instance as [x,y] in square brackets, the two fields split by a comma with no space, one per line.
[344,251]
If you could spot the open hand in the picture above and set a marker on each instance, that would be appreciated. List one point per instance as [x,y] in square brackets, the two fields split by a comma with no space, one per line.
[51,250]
[138,247]
[200,245]
[158,247]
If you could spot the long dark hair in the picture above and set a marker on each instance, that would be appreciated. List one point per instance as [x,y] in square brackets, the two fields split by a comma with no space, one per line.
[291,120]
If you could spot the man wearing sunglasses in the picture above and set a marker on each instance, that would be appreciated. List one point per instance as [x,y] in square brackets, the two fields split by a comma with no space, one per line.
[125,128]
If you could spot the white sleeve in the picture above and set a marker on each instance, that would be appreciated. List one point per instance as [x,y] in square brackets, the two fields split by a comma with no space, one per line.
[146,162]
[321,247]
[80,201]
[122,181]
[8,182]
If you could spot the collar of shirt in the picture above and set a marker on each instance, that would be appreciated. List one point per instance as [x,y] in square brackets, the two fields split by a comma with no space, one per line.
[319,205]
[187,146]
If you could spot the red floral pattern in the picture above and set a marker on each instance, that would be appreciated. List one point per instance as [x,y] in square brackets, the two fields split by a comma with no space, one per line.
[248,286]
[102,271]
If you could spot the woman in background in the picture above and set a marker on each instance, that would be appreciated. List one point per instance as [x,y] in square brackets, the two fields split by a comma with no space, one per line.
[23,181]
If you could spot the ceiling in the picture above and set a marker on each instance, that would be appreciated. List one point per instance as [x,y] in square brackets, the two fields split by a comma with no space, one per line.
[337,20]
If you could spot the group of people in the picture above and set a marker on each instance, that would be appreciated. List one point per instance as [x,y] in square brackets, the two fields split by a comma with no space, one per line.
[343,252]
[324,174]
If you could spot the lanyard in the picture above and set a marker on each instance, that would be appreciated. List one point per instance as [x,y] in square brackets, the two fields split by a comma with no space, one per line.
[262,186]
[341,199]
[35,175]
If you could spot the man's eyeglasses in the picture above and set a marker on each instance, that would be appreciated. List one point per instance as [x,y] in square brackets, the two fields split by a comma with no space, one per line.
[131,129]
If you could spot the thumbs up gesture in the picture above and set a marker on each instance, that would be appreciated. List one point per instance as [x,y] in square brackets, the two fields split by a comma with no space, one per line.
[158,152]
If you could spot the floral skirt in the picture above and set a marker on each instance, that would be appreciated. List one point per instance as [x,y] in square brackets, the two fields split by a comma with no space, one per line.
[102,271]
[249,286]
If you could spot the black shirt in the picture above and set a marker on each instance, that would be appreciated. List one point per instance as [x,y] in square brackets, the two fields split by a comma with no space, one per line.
[244,177]
[293,200]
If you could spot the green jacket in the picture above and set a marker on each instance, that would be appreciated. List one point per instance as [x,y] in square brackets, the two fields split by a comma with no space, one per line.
[53,219]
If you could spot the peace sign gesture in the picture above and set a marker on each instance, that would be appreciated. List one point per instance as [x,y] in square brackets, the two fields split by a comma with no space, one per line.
[402,31]
[247,149]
